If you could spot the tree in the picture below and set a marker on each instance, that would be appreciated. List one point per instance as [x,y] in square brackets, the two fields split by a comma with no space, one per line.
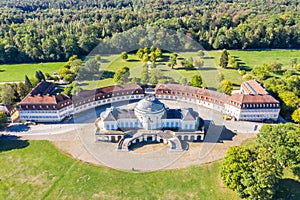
[220,77]
[145,57]
[144,75]
[140,53]
[153,77]
[135,80]
[122,75]
[289,99]
[226,87]
[92,66]
[41,76]
[173,60]
[187,63]
[152,57]
[7,95]
[198,63]
[69,78]
[224,59]
[34,81]
[234,165]
[261,72]
[282,141]
[158,53]
[3,118]
[196,81]
[27,82]
[22,90]
[252,172]
[68,90]
[124,55]
[296,115]
[275,67]
[62,72]
[183,81]
[97,58]
[200,53]
[294,62]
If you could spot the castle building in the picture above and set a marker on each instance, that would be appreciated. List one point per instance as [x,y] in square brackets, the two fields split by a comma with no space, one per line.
[41,105]
[149,114]
[253,103]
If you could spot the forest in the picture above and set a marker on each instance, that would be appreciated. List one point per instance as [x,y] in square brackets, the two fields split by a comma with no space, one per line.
[35,31]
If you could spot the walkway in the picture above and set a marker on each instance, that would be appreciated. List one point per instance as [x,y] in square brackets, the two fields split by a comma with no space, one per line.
[79,141]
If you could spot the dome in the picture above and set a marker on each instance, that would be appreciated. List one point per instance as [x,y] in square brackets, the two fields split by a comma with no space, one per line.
[150,105]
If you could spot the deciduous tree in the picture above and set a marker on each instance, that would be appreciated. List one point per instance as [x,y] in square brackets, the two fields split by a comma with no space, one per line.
[224,59]
[196,81]
[124,55]
[226,87]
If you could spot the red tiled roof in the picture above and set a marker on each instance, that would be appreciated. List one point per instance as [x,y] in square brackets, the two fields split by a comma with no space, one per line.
[253,87]
[250,98]
[8,109]
[91,94]
[251,101]
[192,90]
[42,88]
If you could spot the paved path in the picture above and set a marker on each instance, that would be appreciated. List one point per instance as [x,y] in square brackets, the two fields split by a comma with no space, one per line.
[79,141]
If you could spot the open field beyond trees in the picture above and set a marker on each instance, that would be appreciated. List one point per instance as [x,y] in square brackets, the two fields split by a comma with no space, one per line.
[247,59]
[17,72]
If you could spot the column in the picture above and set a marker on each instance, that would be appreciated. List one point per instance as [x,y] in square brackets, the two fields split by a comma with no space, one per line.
[189,137]
[202,136]
[153,138]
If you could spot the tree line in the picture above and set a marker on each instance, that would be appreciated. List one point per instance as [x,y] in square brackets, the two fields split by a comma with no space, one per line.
[254,172]
[34,31]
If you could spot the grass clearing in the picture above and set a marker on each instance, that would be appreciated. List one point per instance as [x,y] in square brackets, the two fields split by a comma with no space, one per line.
[40,171]
[17,72]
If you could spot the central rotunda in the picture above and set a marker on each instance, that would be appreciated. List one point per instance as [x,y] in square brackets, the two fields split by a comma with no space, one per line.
[149,114]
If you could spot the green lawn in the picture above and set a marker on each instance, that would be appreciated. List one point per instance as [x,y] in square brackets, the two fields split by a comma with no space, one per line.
[209,71]
[248,59]
[17,72]
[40,171]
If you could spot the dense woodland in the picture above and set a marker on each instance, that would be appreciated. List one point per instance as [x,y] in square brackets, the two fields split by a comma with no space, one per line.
[32,31]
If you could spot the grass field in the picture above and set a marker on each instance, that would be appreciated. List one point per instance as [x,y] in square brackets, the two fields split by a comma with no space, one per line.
[209,71]
[17,72]
[248,59]
[37,170]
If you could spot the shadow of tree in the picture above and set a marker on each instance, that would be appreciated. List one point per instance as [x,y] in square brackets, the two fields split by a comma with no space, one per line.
[17,128]
[288,189]
[208,57]
[11,142]
[132,60]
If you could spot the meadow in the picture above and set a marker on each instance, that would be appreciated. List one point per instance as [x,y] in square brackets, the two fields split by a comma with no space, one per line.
[17,72]
[37,170]
[209,71]
[247,59]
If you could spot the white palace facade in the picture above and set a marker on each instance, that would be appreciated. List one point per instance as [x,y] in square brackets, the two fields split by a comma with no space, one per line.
[253,103]
[149,114]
